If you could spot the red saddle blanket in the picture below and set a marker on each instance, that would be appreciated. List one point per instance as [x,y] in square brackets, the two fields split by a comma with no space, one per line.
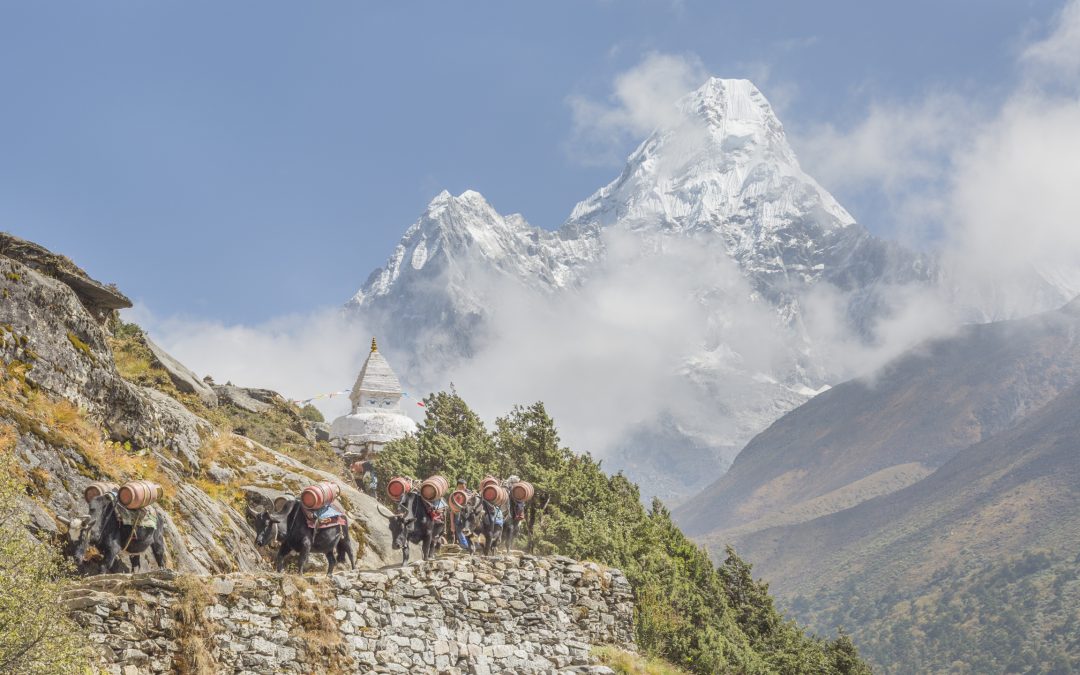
[333,517]
[435,513]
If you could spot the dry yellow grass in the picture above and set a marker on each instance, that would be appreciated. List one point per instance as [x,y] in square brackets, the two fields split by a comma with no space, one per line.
[59,422]
[195,657]
[622,661]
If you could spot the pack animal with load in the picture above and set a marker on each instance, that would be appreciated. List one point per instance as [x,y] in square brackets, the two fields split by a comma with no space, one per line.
[314,523]
[420,514]
[491,514]
[120,520]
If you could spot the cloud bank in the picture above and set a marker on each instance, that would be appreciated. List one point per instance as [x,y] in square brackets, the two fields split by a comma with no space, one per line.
[996,185]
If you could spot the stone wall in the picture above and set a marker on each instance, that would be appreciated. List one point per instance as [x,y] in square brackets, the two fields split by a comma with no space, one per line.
[520,614]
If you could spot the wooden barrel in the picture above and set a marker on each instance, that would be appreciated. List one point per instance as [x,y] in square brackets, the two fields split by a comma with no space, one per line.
[283,501]
[397,487]
[434,488]
[458,499]
[488,480]
[496,494]
[139,494]
[521,491]
[319,495]
[98,488]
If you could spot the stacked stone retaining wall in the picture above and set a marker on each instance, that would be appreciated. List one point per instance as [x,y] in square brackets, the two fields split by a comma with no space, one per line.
[519,614]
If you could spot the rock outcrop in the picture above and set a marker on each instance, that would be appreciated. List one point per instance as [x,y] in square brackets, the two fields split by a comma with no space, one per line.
[182,377]
[520,614]
[100,300]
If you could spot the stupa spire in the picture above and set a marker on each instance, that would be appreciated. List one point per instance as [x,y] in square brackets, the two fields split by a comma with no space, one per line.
[374,347]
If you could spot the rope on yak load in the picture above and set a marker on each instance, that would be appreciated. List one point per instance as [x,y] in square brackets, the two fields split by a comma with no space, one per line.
[134,528]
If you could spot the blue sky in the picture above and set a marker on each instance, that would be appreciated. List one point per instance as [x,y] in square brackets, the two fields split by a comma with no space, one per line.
[239,161]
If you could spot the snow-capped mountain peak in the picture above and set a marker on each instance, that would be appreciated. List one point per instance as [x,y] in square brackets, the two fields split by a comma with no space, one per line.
[456,236]
[737,103]
[725,166]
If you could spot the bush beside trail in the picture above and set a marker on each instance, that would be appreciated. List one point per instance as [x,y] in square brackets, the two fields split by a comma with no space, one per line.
[703,618]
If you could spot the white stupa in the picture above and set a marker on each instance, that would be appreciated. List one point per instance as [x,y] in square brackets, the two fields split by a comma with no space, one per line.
[376,418]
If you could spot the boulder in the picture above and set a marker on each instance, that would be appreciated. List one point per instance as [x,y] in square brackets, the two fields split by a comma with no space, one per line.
[184,380]
[239,397]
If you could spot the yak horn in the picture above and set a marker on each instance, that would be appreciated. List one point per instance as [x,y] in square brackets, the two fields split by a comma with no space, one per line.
[380,509]
[62,519]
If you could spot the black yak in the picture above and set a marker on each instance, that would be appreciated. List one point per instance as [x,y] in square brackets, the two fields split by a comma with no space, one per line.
[104,529]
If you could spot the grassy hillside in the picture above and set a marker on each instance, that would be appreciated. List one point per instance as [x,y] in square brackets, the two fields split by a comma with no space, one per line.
[970,566]
[867,438]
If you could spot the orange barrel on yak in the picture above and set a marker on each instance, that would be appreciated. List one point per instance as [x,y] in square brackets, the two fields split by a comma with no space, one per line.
[138,494]
[521,491]
[458,499]
[434,488]
[281,502]
[488,480]
[319,495]
[397,487]
[98,488]
[496,494]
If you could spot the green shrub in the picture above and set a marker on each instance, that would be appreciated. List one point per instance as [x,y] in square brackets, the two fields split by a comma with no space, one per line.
[36,635]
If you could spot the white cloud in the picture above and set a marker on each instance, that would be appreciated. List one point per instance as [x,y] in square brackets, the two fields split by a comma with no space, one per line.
[1057,57]
[608,356]
[997,183]
[1014,206]
[643,98]
[896,161]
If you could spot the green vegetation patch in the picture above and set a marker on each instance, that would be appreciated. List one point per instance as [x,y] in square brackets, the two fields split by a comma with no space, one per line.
[37,637]
[1021,615]
[80,345]
[629,663]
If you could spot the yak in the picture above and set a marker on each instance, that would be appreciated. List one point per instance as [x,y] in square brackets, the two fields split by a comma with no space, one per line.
[290,527]
[104,530]
[491,525]
[510,524]
[471,521]
[415,522]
